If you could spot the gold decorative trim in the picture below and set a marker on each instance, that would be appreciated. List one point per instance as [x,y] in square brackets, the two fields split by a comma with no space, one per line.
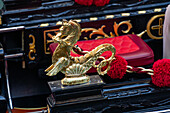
[48,109]
[116,27]
[142,12]
[109,16]
[112,16]
[125,14]
[23,61]
[157,10]
[32,48]
[0,20]
[44,25]
[141,34]
[159,27]
[48,41]
[59,23]
[77,20]
[93,18]
[101,32]
[95,31]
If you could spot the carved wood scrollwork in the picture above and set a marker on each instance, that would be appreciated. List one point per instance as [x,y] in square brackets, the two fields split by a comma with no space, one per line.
[32,49]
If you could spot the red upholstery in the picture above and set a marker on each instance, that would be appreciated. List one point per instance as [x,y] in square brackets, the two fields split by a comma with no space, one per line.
[130,47]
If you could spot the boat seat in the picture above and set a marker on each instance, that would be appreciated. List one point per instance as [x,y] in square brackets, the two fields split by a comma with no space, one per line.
[130,47]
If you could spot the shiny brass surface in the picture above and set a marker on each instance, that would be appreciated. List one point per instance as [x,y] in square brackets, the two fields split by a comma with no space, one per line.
[75,68]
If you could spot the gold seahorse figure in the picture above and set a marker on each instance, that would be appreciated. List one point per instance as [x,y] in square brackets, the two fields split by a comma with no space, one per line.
[75,67]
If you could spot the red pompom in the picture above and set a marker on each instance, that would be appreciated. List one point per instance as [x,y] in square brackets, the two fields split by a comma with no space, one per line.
[161,75]
[100,2]
[84,2]
[118,68]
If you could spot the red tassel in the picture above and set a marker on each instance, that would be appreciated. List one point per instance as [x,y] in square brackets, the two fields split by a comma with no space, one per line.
[118,68]
[161,75]
[161,69]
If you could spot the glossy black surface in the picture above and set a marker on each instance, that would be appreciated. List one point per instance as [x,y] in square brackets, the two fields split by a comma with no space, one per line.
[29,86]
[117,99]
[70,10]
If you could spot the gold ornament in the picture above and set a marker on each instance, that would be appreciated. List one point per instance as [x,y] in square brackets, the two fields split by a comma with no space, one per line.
[75,68]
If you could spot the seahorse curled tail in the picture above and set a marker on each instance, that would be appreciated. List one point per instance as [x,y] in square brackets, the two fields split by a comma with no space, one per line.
[90,58]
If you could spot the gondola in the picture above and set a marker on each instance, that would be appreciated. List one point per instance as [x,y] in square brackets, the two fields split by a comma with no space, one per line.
[135,28]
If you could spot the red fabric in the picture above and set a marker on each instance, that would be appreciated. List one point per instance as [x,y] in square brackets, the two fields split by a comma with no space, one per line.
[123,45]
[161,75]
[84,2]
[118,68]
[130,47]
[100,2]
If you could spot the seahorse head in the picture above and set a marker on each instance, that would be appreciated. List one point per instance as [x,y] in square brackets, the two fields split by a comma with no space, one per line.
[68,27]
[71,30]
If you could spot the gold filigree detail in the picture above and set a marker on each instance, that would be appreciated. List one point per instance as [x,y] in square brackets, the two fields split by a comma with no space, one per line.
[159,27]
[156,27]
[101,32]
[116,27]
[96,32]
[32,49]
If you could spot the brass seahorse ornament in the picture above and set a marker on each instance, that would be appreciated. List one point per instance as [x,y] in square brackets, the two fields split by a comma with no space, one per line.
[75,68]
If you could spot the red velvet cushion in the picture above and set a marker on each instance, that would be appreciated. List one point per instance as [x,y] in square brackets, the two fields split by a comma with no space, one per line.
[130,47]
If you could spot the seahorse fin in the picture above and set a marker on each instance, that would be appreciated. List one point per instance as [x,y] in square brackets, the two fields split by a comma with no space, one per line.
[49,68]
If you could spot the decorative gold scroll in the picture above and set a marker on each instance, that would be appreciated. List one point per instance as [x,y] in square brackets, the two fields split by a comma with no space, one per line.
[96,31]
[102,34]
[158,27]
[116,27]
[32,49]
